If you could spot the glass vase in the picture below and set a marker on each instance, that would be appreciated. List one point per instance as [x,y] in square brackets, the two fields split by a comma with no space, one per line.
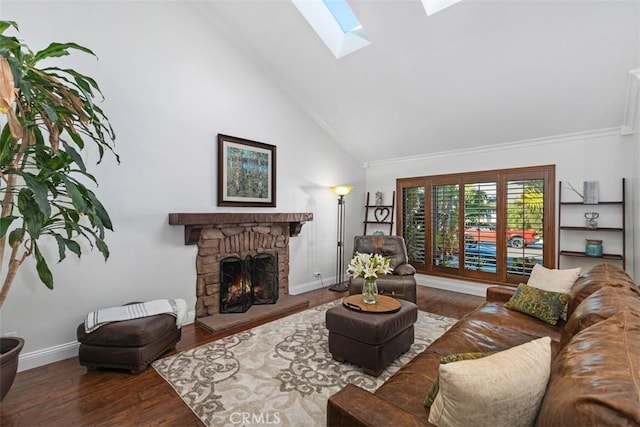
[370,291]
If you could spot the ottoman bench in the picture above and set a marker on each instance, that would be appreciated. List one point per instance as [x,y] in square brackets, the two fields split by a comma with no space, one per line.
[128,344]
[370,340]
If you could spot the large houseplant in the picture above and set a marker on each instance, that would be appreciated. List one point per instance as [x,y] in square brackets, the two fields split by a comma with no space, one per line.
[48,116]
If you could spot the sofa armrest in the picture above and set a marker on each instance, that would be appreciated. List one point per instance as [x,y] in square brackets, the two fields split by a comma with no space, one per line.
[498,294]
[404,270]
[354,406]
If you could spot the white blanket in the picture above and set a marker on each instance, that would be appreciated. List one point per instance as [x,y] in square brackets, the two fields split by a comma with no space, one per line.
[175,307]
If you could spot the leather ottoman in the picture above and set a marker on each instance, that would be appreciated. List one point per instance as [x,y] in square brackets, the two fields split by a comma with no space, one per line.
[129,344]
[370,340]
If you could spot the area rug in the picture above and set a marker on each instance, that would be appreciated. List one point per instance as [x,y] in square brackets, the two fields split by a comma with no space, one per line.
[279,373]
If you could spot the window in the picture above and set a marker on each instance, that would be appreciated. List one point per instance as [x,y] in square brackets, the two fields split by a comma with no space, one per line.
[491,226]
[336,25]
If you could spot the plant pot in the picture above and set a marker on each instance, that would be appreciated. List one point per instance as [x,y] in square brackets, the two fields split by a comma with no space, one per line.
[10,348]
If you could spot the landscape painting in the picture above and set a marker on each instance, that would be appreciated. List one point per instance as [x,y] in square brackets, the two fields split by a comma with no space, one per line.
[246,172]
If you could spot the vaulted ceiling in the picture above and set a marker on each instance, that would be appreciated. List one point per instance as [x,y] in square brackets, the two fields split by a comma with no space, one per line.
[480,72]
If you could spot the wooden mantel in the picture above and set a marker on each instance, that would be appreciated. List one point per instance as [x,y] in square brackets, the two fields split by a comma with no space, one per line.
[194,222]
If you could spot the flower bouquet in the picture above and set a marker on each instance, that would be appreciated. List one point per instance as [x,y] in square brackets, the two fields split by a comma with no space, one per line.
[368,267]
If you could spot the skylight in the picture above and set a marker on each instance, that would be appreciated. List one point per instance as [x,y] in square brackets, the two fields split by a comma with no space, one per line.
[434,6]
[335,23]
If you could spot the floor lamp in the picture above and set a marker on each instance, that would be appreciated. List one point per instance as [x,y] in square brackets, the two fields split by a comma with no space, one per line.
[340,286]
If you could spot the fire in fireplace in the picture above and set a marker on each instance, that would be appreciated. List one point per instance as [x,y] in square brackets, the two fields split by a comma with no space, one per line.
[243,283]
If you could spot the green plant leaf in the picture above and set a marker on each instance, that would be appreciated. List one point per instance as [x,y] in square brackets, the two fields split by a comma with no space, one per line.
[6,24]
[62,251]
[59,49]
[101,212]
[5,223]
[73,246]
[40,193]
[74,193]
[30,212]
[7,147]
[43,269]
[103,248]
[16,235]
[75,156]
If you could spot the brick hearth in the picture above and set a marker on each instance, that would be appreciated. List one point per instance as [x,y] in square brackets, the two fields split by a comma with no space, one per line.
[221,235]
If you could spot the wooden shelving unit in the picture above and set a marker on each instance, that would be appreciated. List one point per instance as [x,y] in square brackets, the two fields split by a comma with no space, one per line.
[379,214]
[588,232]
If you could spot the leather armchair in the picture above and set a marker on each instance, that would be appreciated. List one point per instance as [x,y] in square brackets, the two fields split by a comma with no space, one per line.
[401,283]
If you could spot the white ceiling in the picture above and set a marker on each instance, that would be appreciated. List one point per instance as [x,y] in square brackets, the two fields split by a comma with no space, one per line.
[477,73]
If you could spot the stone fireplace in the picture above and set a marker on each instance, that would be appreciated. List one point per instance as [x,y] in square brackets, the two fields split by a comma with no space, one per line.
[223,235]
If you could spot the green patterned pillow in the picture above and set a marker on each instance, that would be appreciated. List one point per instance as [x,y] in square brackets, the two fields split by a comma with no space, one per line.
[448,359]
[545,305]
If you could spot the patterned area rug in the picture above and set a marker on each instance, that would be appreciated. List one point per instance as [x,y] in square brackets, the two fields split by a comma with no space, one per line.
[280,373]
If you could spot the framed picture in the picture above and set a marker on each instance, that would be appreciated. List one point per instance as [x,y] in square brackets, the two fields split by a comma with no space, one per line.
[246,172]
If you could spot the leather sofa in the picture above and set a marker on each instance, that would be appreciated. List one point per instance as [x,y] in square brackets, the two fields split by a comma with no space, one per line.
[595,365]
[401,283]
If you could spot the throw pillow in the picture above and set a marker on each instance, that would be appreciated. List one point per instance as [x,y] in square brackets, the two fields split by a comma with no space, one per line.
[544,305]
[553,280]
[502,389]
[433,391]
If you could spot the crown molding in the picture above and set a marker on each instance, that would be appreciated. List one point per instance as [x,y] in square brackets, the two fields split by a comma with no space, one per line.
[526,143]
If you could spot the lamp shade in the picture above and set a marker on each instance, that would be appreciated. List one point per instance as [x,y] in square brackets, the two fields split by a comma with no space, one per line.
[342,190]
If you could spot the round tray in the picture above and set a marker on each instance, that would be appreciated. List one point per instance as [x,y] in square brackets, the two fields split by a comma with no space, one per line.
[385,304]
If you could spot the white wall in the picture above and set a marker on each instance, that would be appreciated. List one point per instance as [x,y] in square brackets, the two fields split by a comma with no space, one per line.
[602,156]
[172,82]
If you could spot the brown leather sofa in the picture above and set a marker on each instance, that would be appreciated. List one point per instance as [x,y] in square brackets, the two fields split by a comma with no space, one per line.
[595,368]
[401,283]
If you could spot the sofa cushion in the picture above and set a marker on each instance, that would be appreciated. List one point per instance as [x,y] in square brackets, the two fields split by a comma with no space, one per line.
[594,380]
[405,270]
[602,275]
[504,388]
[600,305]
[552,279]
[544,305]
[433,391]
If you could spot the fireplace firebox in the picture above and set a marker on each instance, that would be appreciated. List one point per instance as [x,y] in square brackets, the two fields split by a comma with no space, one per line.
[248,281]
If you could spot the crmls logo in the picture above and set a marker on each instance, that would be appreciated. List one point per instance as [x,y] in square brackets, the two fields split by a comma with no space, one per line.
[250,418]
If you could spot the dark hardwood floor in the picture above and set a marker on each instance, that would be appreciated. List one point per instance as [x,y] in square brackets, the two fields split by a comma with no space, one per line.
[66,394]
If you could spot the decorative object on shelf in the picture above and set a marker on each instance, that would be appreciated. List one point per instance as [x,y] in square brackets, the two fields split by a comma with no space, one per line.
[246,172]
[382,215]
[368,267]
[340,191]
[591,220]
[378,233]
[593,248]
[589,193]
[590,190]
[378,198]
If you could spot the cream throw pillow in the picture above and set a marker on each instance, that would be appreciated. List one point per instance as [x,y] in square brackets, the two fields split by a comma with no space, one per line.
[503,389]
[553,280]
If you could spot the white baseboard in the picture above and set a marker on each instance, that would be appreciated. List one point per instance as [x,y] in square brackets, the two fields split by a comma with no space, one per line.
[311,286]
[455,285]
[42,357]
[48,355]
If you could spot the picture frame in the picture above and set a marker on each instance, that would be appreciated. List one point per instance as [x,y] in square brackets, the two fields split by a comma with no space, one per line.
[246,172]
